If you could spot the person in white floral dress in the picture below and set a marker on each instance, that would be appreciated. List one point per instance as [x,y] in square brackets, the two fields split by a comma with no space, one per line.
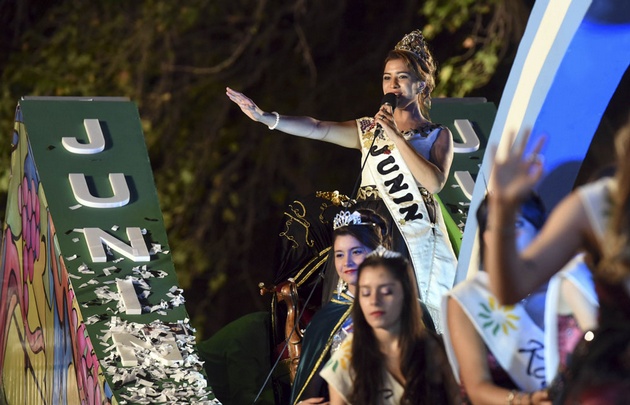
[391,357]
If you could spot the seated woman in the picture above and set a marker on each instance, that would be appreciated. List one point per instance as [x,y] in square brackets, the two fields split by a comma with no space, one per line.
[497,351]
[391,357]
[354,236]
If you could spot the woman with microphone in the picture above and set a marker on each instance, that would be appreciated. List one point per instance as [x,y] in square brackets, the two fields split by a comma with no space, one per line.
[405,160]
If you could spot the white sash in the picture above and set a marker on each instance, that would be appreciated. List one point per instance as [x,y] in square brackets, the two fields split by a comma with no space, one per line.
[578,273]
[430,250]
[508,331]
[595,197]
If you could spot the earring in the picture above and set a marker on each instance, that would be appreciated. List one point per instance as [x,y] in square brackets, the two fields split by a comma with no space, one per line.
[341,286]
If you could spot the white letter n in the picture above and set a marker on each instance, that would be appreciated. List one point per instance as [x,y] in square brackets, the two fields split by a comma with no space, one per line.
[96,237]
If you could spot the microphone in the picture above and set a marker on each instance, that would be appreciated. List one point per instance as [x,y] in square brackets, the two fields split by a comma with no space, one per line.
[390,99]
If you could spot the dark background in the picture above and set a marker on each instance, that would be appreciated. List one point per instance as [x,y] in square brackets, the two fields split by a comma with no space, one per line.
[223,180]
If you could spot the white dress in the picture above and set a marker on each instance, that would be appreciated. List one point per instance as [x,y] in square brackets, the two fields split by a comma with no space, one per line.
[338,374]
[413,211]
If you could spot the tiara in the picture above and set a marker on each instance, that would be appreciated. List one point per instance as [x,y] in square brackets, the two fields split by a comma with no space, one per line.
[381,251]
[413,42]
[345,218]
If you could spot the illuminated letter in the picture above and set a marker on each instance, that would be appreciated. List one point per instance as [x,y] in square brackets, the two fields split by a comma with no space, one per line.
[96,237]
[466,182]
[469,136]
[82,193]
[95,135]
[129,297]
[166,351]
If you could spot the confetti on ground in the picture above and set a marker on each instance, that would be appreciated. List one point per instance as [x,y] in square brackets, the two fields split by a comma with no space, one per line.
[152,381]
[109,270]
[83,268]
[89,282]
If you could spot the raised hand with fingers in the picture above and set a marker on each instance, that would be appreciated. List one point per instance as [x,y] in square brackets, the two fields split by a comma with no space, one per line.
[514,176]
[245,103]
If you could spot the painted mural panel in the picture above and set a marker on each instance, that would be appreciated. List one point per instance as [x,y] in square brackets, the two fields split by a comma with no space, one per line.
[47,355]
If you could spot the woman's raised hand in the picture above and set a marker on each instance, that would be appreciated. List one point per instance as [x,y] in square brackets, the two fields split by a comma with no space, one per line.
[245,103]
[514,176]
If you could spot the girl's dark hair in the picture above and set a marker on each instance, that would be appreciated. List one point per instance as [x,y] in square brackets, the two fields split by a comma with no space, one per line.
[372,232]
[615,263]
[368,361]
[532,209]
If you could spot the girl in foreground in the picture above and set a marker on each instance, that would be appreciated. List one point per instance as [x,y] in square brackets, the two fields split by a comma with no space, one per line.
[391,358]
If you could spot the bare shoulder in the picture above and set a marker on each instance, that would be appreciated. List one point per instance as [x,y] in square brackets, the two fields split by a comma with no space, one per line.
[445,132]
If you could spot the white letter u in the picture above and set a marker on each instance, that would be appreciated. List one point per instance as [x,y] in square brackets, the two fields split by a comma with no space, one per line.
[81,192]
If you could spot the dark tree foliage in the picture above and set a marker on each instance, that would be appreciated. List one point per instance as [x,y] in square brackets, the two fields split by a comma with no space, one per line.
[223,180]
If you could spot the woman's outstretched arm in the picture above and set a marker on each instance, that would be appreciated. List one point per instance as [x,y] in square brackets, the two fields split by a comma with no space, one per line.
[340,133]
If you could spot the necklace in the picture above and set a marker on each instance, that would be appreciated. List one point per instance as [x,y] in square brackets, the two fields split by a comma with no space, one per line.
[423,130]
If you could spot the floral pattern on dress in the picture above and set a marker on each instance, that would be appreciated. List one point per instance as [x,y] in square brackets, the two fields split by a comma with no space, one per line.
[498,317]
[343,356]
[367,126]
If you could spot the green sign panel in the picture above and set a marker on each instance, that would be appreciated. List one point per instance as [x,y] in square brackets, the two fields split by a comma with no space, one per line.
[91,308]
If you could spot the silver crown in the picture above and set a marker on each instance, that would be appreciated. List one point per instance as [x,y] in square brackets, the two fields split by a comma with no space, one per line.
[345,218]
[381,251]
[413,42]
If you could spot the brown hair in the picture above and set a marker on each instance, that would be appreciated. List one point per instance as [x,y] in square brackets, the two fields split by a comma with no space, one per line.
[419,352]
[372,232]
[424,68]
[615,264]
